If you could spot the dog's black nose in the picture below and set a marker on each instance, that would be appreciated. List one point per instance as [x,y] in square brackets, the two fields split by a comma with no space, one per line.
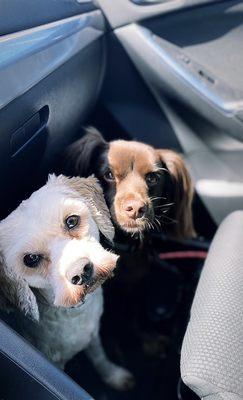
[87,273]
[76,280]
[85,276]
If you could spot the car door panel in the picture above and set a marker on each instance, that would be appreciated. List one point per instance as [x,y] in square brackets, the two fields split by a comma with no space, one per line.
[29,56]
[34,377]
[170,72]
[50,74]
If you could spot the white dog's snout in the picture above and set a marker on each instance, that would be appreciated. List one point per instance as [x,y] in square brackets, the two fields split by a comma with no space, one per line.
[76,265]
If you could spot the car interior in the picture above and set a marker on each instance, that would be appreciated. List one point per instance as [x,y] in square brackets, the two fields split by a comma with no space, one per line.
[166,73]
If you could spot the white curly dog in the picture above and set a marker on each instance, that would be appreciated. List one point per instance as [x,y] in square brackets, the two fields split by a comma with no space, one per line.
[52,268]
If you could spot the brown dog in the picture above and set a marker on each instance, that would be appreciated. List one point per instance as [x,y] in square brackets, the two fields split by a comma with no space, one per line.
[145,188]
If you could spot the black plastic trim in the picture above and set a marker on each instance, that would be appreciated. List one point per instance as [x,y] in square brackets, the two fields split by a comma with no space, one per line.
[35,370]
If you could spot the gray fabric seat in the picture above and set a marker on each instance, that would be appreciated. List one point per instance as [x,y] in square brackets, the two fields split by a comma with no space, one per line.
[212,351]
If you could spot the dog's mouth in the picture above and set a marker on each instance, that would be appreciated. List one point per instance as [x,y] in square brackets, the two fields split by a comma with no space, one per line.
[137,226]
[132,229]
[97,281]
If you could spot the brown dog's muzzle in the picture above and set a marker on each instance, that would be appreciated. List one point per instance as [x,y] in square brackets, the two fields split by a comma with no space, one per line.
[132,206]
[135,208]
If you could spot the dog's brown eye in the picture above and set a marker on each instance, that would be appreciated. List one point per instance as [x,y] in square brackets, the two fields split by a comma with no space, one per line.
[32,260]
[109,176]
[152,178]
[72,221]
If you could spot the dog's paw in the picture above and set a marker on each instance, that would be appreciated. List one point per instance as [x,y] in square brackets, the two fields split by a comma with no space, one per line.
[120,379]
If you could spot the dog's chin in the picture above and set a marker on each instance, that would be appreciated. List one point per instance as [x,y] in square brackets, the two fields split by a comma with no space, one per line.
[86,289]
[78,305]
[133,227]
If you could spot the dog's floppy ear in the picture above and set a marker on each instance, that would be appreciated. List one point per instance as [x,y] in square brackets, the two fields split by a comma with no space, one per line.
[16,293]
[182,193]
[81,156]
[91,192]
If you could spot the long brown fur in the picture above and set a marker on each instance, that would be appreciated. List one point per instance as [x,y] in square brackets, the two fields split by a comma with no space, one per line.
[130,162]
[184,192]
